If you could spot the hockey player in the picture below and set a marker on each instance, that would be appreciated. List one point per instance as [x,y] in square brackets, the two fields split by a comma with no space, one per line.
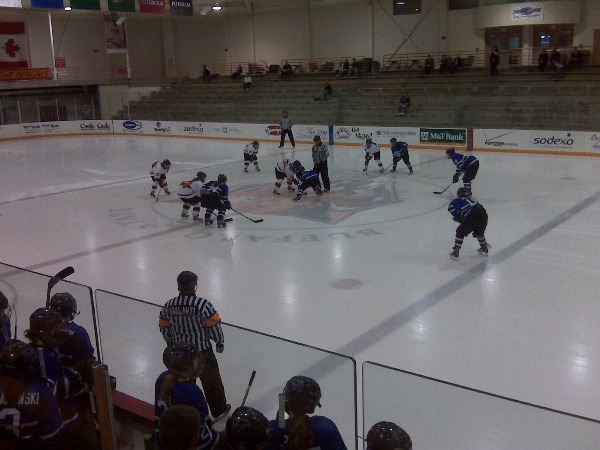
[190,193]
[215,195]
[159,176]
[5,311]
[177,386]
[305,179]
[400,152]
[302,395]
[36,422]
[467,164]
[372,152]
[45,331]
[246,429]
[251,156]
[283,171]
[388,436]
[472,217]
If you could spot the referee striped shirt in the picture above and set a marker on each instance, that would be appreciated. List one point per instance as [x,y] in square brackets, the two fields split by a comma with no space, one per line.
[191,320]
[320,153]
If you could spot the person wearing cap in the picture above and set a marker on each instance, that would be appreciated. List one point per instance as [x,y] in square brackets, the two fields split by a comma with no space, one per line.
[320,155]
[250,156]
[285,123]
[372,151]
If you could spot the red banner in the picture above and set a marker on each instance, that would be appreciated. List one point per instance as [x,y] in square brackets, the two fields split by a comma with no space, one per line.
[13,46]
[25,74]
[152,6]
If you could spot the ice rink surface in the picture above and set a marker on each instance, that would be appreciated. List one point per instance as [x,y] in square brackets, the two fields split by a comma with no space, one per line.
[363,270]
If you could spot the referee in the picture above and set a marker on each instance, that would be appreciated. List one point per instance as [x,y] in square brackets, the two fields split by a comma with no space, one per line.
[193,320]
[320,155]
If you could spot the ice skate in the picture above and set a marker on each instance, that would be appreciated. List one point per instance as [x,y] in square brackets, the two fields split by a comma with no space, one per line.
[196,219]
[208,222]
[246,169]
[454,255]
[152,194]
[410,172]
[318,192]
[483,250]
[291,188]
[276,193]
[365,169]
[393,169]
[381,170]
[325,190]
[221,224]
[168,192]
[298,198]
[257,168]
[184,215]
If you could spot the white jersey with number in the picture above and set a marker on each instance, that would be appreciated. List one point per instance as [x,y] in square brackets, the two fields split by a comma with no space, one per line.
[189,189]
[284,167]
[250,150]
[158,170]
[374,148]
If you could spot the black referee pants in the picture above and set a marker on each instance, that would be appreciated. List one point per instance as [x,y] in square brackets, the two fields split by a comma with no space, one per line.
[322,170]
[212,385]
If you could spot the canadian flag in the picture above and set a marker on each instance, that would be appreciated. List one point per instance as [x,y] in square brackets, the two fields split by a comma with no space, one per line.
[13,46]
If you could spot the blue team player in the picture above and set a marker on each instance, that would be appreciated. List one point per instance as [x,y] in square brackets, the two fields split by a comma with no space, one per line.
[473,218]
[5,333]
[215,195]
[302,395]
[29,412]
[467,164]
[306,179]
[177,386]
[388,436]
[400,152]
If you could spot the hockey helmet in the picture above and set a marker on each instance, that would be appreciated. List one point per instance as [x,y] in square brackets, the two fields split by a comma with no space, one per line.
[462,192]
[247,428]
[302,395]
[317,138]
[183,360]
[368,142]
[201,176]
[3,301]
[18,358]
[166,163]
[44,320]
[187,281]
[255,143]
[64,304]
[393,140]
[450,152]
[222,178]
[388,436]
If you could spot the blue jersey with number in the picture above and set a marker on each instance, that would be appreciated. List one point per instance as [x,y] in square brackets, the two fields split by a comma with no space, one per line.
[306,176]
[185,393]
[399,149]
[325,432]
[28,409]
[461,207]
[463,162]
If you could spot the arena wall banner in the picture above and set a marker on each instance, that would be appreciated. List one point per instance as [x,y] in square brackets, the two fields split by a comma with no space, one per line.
[445,136]
[357,135]
[592,142]
[556,141]
[89,126]
[145,127]
[500,139]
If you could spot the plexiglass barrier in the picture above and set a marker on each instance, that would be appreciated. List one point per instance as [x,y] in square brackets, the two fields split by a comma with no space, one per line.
[26,291]
[440,415]
[133,346]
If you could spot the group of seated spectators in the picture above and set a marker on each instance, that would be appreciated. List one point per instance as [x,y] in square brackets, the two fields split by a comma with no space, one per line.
[557,63]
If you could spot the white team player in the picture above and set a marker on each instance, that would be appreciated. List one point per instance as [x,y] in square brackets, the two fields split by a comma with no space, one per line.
[159,176]
[372,152]
[190,193]
[283,171]
[250,155]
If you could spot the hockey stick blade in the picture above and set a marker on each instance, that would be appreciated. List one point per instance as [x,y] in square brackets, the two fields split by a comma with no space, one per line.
[55,279]
[248,388]
[444,190]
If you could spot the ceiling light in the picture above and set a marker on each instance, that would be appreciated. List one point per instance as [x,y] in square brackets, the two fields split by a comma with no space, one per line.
[217,7]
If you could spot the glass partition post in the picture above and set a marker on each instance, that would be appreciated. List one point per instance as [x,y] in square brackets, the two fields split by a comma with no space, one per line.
[19,111]
[37,107]
[442,415]
[56,104]
[133,347]
[1,114]
[75,105]
[93,108]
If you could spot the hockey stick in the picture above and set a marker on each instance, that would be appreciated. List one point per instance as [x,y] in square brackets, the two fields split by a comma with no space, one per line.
[55,279]
[445,189]
[158,193]
[248,388]
[244,215]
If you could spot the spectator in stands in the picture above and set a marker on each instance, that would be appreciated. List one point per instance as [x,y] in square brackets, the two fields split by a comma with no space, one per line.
[5,311]
[543,60]
[429,65]
[559,68]
[247,82]
[576,59]
[404,105]
[327,92]
[206,75]
[286,70]
[443,63]
[344,69]
[494,61]
[179,428]
[238,73]
[388,436]
[456,63]
[554,58]
[354,70]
